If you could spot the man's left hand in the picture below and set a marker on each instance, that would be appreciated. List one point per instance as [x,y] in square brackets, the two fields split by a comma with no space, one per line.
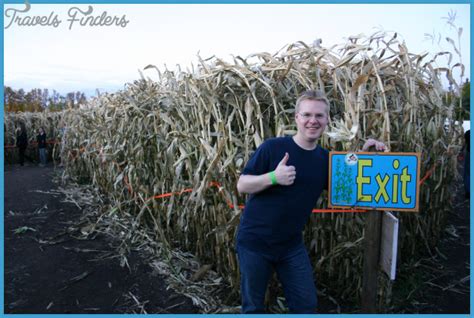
[379,146]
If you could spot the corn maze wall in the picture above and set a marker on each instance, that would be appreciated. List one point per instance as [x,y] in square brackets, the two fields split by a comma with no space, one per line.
[196,130]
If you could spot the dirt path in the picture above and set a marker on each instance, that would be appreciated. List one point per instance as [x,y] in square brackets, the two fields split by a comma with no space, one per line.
[441,284]
[50,268]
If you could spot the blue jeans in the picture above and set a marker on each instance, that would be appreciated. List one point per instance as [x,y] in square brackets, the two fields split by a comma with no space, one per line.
[42,155]
[294,272]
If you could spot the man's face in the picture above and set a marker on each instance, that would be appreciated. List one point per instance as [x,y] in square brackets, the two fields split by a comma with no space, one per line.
[311,119]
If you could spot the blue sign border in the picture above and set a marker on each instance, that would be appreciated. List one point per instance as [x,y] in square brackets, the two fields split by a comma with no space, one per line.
[347,197]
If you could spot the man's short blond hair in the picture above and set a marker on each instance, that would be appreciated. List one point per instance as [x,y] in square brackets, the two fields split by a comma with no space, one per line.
[315,95]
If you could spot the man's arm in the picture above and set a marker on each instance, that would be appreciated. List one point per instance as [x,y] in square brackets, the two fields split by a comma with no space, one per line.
[253,184]
[284,175]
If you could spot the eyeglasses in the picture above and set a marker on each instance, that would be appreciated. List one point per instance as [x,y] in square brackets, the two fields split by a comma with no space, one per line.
[308,116]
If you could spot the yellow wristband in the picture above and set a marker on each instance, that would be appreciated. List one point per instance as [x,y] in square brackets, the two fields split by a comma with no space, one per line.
[273,178]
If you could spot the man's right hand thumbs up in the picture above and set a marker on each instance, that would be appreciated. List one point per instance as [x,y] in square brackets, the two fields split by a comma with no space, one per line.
[285,175]
[284,160]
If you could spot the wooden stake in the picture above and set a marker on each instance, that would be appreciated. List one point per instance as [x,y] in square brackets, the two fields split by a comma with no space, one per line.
[371,261]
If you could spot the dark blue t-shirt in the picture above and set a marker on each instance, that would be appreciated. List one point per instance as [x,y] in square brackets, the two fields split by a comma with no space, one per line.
[273,219]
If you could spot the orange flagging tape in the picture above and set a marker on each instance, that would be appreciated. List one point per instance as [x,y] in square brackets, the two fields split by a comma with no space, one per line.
[166,195]
[217,184]
[211,184]
[338,210]
[428,174]
[129,187]
[230,205]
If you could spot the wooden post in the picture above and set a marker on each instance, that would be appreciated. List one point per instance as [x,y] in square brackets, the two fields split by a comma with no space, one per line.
[373,223]
[383,164]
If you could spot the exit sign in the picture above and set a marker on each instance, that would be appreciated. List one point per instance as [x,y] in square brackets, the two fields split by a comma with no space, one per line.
[382,181]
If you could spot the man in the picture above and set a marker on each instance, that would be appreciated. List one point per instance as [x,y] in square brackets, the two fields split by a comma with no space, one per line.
[284,177]
[467,159]
[22,142]
[41,139]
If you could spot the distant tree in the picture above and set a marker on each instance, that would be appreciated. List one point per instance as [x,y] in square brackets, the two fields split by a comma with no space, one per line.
[33,100]
[80,98]
[70,99]
[57,104]
[9,98]
[55,97]
[45,98]
[20,100]
[38,100]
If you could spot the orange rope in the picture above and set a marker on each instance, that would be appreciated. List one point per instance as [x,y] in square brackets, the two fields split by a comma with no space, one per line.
[229,203]
[127,183]
[338,210]
[428,174]
[166,195]
[231,206]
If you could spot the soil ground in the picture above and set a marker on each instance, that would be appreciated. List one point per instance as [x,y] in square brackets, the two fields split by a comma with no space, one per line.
[51,268]
[441,284]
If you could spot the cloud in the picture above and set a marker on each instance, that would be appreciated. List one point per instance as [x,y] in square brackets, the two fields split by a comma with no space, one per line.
[162,34]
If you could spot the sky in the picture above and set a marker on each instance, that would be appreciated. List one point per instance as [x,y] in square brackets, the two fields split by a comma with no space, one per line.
[72,57]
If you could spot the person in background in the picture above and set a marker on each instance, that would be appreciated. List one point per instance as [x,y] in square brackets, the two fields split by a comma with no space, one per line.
[284,177]
[41,139]
[467,168]
[22,142]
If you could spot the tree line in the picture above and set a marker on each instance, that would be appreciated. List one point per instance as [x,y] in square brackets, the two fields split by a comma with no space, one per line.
[37,100]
